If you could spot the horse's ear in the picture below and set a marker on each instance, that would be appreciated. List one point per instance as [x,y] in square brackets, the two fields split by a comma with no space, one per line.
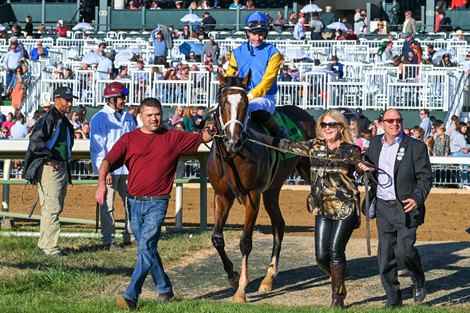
[222,79]
[246,79]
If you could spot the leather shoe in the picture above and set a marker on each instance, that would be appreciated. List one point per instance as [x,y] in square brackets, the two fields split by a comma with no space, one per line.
[393,305]
[111,247]
[419,294]
[125,303]
[165,296]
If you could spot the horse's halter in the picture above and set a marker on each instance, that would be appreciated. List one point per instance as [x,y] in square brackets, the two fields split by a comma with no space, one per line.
[234,100]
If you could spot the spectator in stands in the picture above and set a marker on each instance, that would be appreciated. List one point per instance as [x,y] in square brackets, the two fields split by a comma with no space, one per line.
[378,126]
[105,68]
[429,142]
[159,45]
[60,30]
[107,126]
[316,26]
[185,34]
[409,40]
[418,133]
[210,46]
[209,62]
[354,129]
[100,50]
[11,61]
[86,130]
[235,5]
[458,144]
[4,133]
[188,120]
[292,18]
[284,74]
[184,72]
[299,33]
[425,122]
[170,74]
[9,122]
[337,67]
[19,130]
[16,31]
[74,120]
[458,36]
[362,120]
[360,26]
[441,141]
[458,5]
[154,5]
[28,28]
[40,50]
[454,121]
[199,119]
[178,116]
[17,88]
[380,30]
[409,25]
[208,22]
[294,72]
[123,74]
[203,5]
[446,62]
[192,57]
[328,17]
[280,22]
[339,35]
[46,105]
[42,29]
[33,120]
[431,51]
[132,5]
[249,5]
[82,114]
[364,141]
[179,5]
[69,74]
[386,56]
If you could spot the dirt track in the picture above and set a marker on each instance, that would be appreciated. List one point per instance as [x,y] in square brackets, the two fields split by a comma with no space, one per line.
[447,214]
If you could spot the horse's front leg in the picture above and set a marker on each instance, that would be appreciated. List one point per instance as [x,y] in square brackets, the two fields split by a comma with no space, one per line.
[222,206]
[251,202]
[271,203]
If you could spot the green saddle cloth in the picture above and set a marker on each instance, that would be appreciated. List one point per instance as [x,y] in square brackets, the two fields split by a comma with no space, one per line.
[295,133]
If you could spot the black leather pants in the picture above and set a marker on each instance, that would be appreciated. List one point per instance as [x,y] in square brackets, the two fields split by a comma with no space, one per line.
[331,238]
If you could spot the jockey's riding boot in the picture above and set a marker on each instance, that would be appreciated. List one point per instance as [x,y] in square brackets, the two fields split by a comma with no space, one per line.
[275,130]
[338,289]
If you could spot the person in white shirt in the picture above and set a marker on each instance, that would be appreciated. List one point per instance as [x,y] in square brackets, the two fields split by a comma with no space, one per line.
[19,130]
[104,70]
[107,126]
[299,33]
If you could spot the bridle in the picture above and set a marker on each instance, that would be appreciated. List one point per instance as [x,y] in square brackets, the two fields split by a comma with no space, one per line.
[222,126]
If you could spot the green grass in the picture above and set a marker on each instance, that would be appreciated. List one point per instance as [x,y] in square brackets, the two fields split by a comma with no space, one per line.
[89,279]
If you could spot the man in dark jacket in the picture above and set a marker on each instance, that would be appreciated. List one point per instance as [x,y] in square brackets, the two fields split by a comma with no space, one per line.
[47,164]
[209,22]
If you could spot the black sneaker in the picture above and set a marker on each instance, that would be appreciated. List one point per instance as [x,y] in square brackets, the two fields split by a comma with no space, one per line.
[125,303]
[165,296]
[111,247]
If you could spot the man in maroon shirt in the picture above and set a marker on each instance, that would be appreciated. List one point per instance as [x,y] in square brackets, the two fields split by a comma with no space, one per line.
[151,155]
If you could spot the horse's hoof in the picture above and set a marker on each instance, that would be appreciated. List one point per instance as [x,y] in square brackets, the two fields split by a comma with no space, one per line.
[233,281]
[237,298]
[266,285]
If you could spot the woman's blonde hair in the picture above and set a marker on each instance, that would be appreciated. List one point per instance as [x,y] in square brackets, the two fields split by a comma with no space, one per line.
[341,119]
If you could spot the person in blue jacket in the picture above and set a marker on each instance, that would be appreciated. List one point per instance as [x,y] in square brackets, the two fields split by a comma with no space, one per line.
[264,61]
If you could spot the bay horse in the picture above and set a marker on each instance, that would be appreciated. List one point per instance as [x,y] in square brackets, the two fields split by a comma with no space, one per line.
[244,170]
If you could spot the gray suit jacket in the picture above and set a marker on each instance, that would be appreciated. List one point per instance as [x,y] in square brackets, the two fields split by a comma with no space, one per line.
[412,174]
[410,27]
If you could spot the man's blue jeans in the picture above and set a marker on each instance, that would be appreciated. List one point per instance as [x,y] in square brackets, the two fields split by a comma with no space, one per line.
[146,219]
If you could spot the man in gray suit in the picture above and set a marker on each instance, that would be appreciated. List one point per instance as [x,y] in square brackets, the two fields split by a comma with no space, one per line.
[404,181]
[409,25]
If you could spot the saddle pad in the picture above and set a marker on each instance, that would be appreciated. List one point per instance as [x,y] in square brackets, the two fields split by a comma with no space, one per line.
[295,133]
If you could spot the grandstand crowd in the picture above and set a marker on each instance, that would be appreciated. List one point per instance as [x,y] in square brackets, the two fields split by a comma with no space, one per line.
[195,55]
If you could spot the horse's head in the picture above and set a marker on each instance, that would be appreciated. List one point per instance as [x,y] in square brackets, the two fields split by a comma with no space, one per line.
[233,111]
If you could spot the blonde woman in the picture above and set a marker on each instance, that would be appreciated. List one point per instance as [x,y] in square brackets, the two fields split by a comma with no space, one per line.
[334,196]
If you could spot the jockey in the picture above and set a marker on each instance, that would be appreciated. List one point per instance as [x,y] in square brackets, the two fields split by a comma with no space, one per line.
[264,61]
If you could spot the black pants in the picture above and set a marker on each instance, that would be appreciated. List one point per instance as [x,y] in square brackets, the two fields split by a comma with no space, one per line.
[331,238]
[396,242]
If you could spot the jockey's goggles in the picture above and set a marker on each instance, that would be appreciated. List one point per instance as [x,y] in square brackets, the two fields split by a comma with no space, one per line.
[125,92]
[253,25]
